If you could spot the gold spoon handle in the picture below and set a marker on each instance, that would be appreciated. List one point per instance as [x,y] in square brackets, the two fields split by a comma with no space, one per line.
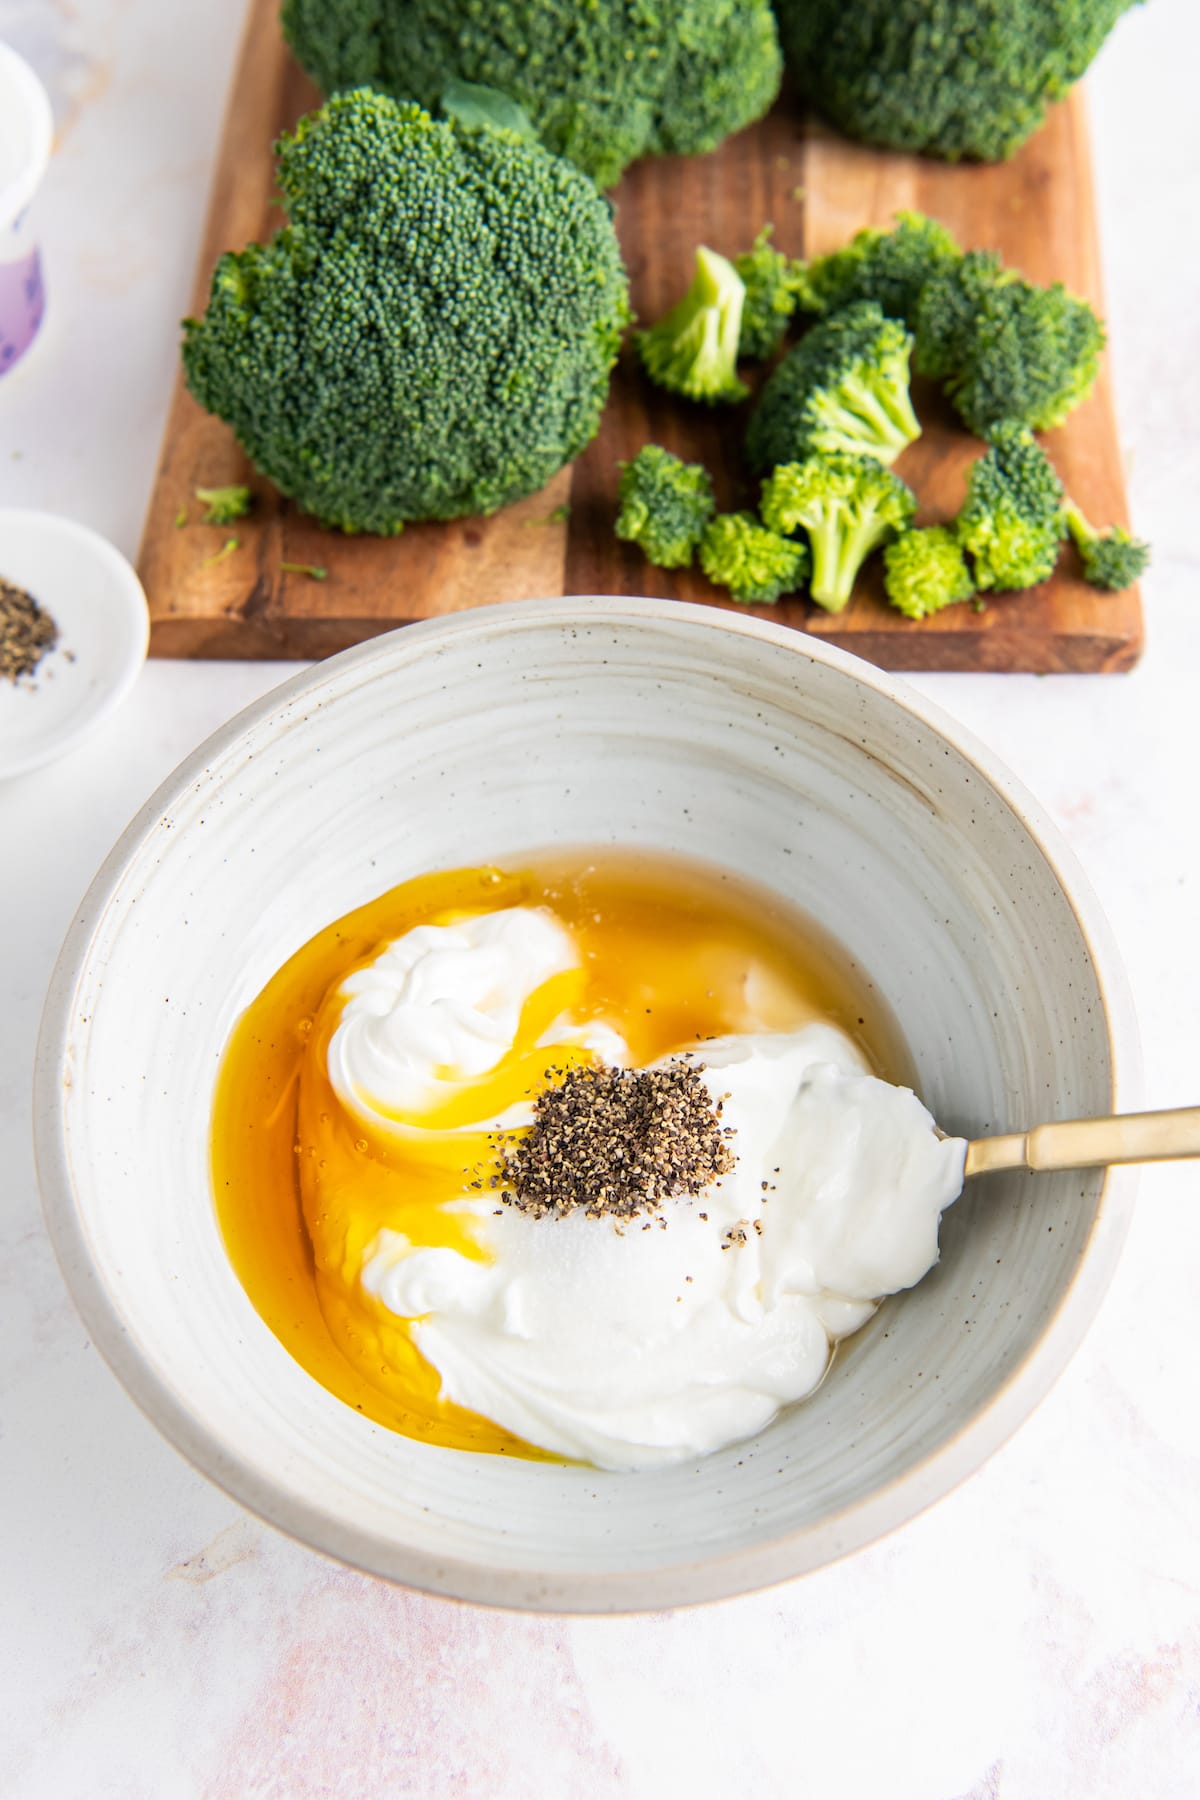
[1089,1143]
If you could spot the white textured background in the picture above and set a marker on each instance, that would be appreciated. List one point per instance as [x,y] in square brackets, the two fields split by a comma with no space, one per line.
[1037,1635]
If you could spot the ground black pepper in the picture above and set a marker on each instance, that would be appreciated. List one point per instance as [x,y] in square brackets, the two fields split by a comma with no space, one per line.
[615,1143]
[26,632]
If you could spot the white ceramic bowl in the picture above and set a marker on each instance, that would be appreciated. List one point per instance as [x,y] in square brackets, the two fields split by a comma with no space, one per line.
[588,722]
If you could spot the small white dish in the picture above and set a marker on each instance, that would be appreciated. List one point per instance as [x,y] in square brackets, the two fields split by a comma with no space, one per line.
[98,605]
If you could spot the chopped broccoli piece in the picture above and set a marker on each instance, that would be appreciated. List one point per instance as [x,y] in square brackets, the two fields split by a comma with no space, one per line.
[665,506]
[218,556]
[693,349]
[224,504]
[1112,559]
[889,267]
[956,78]
[602,83]
[772,281]
[843,388]
[755,564]
[924,571]
[314,571]
[433,333]
[1005,348]
[1012,523]
[849,506]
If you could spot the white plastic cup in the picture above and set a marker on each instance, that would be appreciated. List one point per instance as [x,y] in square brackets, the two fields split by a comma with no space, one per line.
[26,132]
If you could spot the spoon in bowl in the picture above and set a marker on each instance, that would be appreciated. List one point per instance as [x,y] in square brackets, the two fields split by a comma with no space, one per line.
[1090,1143]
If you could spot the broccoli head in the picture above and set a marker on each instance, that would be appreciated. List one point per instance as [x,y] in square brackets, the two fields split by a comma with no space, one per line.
[848,505]
[1005,348]
[602,83]
[755,564]
[1112,559]
[693,349]
[955,78]
[665,505]
[772,282]
[843,388]
[923,571]
[1012,523]
[433,333]
[889,267]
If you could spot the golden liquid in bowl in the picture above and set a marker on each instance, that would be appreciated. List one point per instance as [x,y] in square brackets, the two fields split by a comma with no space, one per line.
[302,1187]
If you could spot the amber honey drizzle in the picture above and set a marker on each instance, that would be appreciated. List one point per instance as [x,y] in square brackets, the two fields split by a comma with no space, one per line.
[301,1187]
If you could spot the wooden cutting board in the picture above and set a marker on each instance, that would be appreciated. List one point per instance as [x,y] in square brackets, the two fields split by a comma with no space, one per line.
[818,189]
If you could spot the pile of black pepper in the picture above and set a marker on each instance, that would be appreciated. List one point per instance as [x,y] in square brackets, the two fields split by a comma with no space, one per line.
[613,1143]
[26,632]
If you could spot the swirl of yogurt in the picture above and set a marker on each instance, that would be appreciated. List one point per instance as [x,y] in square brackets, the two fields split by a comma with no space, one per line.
[441,1006]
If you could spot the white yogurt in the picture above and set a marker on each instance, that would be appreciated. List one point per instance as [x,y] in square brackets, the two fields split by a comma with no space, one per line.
[441,1006]
[663,1340]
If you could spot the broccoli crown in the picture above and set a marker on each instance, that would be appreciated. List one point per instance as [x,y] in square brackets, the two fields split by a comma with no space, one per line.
[693,349]
[755,564]
[889,267]
[956,78]
[222,505]
[923,571]
[843,388]
[1005,348]
[665,505]
[432,334]
[848,505]
[1112,559]
[772,282]
[602,83]
[1012,523]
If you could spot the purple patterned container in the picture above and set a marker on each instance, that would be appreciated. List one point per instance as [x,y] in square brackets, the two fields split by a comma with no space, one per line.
[26,129]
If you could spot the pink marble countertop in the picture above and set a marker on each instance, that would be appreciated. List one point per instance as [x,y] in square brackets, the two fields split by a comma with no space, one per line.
[1036,1636]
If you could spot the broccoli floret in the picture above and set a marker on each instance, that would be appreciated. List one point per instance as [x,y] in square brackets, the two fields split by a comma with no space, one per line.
[665,506]
[923,571]
[1012,523]
[222,505]
[1005,348]
[1112,559]
[889,267]
[848,505]
[956,78]
[772,282]
[843,388]
[755,564]
[602,83]
[433,333]
[693,349]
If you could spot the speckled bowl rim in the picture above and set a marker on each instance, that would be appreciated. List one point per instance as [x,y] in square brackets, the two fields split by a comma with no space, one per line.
[718,1576]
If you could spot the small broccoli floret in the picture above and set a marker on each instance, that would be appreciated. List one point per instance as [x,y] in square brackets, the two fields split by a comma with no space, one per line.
[1012,523]
[693,349]
[955,78]
[772,281]
[602,83]
[924,571]
[224,504]
[889,267]
[1005,348]
[755,564]
[843,388]
[433,333]
[665,506]
[1112,559]
[848,505]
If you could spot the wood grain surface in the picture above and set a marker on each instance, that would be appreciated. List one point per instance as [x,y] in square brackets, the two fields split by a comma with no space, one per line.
[818,189]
